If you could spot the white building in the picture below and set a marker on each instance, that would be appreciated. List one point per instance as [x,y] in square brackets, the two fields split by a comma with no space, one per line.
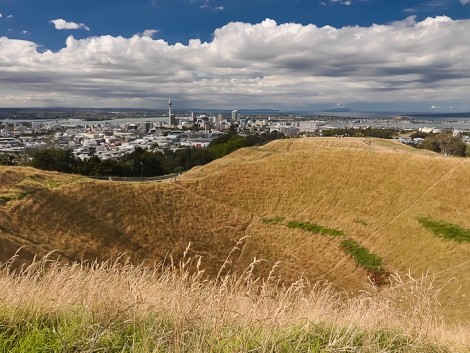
[308,126]
[234,115]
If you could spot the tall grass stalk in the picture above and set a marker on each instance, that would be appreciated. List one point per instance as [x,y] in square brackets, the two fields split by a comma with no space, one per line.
[116,306]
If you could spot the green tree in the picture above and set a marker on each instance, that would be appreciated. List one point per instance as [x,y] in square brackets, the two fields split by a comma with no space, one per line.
[419,134]
[141,162]
[7,159]
[55,159]
[446,144]
[185,159]
[89,166]
[233,143]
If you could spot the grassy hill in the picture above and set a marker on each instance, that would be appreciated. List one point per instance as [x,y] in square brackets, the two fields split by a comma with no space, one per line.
[334,209]
[375,194]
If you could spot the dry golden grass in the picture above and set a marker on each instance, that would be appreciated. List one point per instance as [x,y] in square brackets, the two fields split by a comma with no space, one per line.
[88,219]
[373,193]
[99,220]
[173,309]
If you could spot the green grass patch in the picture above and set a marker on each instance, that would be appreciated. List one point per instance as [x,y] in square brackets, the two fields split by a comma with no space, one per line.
[315,228]
[74,332]
[84,332]
[273,220]
[8,197]
[446,230]
[41,181]
[4,198]
[362,256]
[53,184]
[30,185]
[35,176]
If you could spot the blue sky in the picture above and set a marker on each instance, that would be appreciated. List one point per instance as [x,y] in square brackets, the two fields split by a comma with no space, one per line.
[280,54]
[181,20]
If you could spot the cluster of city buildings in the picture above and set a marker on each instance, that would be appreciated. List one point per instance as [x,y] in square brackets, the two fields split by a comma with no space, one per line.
[105,140]
[114,138]
[112,134]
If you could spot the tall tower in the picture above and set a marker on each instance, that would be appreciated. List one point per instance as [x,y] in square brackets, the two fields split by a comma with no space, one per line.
[169,111]
[234,115]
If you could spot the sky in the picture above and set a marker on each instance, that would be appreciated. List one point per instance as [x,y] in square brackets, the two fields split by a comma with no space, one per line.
[297,55]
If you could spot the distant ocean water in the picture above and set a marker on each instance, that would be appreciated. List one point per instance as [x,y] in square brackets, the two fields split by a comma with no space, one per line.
[383,115]
[386,119]
[331,118]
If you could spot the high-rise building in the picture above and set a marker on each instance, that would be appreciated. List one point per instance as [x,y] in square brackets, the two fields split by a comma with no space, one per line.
[169,110]
[218,121]
[234,115]
[171,117]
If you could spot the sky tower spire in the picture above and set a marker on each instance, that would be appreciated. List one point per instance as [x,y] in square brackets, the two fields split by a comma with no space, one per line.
[171,117]
[169,107]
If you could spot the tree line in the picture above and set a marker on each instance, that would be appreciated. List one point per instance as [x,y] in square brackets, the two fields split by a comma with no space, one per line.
[141,162]
[361,132]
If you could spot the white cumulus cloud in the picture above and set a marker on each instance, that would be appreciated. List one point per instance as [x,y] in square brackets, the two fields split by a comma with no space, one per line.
[62,24]
[465,2]
[291,66]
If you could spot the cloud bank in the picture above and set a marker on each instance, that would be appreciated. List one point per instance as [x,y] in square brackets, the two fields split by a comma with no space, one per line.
[264,65]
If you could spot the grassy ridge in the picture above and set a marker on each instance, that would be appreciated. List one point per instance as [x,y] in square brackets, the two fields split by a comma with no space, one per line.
[337,182]
[89,219]
[18,183]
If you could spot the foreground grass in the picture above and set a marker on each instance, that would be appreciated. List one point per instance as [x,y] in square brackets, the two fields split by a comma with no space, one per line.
[73,333]
[117,307]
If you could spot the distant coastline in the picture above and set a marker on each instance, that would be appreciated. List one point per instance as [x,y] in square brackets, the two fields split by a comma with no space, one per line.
[107,114]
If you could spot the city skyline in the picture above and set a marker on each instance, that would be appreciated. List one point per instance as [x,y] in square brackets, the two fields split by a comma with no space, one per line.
[300,55]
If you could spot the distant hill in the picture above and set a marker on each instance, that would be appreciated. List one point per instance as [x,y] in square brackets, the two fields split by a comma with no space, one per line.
[299,202]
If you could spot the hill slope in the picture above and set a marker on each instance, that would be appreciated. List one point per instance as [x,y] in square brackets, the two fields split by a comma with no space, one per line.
[374,194]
